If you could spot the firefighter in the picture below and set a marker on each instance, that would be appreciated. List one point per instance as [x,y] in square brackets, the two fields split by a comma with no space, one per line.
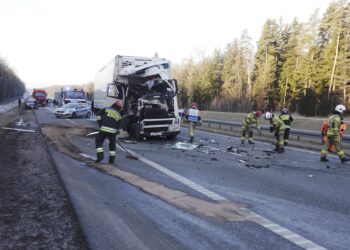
[324,130]
[247,126]
[277,125]
[333,134]
[287,118]
[193,118]
[108,120]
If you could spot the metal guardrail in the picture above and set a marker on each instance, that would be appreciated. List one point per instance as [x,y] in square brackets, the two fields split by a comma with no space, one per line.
[297,132]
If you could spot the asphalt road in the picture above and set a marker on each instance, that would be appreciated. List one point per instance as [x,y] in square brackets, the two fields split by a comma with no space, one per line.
[207,198]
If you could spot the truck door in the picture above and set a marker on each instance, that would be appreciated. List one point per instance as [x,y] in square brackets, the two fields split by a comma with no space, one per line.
[116,91]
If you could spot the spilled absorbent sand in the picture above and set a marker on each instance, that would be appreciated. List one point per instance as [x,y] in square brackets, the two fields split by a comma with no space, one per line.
[59,139]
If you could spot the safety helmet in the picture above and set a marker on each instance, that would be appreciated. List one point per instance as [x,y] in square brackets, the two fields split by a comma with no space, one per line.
[340,108]
[268,115]
[284,111]
[117,105]
[194,105]
[257,113]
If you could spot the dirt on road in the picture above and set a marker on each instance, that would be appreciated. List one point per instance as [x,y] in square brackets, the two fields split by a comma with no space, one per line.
[35,211]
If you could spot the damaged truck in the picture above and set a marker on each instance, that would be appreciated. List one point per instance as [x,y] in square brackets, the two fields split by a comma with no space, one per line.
[146,91]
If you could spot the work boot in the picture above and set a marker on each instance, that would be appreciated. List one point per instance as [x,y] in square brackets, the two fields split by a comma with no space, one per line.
[285,143]
[99,157]
[280,150]
[277,148]
[251,142]
[343,160]
[323,158]
[191,139]
[242,141]
[111,159]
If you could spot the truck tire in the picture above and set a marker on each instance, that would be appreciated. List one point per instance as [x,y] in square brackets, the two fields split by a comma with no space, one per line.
[88,115]
[135,131]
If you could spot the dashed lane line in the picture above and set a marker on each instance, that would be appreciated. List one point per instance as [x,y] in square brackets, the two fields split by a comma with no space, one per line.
[266,223]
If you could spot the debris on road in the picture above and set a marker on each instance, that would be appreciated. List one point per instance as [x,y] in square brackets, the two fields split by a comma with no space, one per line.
[212,141]
[256,166]
[208,149]
[310,175]
[269,151]
[214,159]
[182,146]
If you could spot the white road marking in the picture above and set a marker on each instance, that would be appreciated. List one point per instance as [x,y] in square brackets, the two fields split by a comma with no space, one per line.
[268,224]
[264,222]
[18,129]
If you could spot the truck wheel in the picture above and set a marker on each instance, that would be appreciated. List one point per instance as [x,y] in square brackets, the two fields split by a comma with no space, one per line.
[88,115]
[74,115]
[135,131]
[171,137]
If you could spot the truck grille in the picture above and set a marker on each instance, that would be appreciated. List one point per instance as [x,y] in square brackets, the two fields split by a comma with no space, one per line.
[155,129]
[169,122]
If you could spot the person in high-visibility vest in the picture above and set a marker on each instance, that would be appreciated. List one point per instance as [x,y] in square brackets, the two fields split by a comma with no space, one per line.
[247,126]
[333,134]
[277,126]
[287,118]
[108,120]
[324,130]
[193,118]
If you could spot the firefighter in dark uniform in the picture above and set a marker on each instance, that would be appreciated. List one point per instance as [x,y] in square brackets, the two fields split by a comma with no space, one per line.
[108,120]
[287,118]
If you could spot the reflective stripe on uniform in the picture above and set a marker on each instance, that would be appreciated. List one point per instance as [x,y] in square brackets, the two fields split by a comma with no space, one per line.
[98,118]
[108,130]
[114,114]
[112,153]
[99,150]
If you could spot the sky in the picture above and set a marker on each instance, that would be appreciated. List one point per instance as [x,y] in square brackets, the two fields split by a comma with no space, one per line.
[66,42]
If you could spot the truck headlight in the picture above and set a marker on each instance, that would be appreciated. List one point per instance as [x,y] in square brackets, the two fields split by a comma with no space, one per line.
[177,122]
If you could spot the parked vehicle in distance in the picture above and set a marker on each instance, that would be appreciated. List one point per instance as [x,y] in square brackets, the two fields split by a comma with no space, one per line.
[68,95]
[31,103]
[73,110]
[40,95]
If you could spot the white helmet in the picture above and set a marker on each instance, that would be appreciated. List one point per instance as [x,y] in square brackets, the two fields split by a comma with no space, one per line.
[268,115]
[340,108]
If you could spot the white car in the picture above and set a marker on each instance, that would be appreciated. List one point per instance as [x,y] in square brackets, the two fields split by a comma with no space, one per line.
[73,110]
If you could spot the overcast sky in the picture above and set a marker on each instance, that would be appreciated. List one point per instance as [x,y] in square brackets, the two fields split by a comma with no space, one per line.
[67,41]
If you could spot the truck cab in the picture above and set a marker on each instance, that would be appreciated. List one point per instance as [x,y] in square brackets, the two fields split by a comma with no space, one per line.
[148,94]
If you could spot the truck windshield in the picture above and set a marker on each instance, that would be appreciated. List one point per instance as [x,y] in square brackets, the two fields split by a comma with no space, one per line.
[75,94]
[39,94]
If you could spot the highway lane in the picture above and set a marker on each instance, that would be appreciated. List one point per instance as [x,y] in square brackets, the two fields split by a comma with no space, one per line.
[297,193]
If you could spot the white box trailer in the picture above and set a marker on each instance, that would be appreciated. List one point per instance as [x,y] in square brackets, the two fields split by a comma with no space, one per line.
[147,92]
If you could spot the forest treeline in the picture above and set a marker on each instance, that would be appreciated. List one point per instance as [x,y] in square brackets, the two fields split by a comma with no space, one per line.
[10,85]
[302,66]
